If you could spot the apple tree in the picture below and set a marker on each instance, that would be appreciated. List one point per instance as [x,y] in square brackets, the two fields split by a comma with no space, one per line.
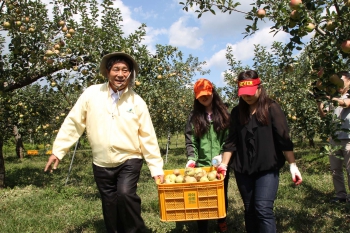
[59,46]
[327,19]
[164,83]
[327,52]
[290,88]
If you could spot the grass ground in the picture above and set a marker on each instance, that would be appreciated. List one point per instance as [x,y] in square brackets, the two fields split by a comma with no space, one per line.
[35,201]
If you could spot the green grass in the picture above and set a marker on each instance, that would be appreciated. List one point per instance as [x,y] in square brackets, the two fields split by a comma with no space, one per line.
[35,201]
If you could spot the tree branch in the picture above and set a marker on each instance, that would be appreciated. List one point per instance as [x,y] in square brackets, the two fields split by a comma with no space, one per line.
[29,80]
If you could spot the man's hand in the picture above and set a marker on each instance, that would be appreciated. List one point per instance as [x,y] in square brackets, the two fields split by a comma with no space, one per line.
[159,179]
[296,176]
[52,160]
[191,163]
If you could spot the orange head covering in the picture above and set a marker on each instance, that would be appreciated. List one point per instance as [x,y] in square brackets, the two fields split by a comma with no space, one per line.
[202,87]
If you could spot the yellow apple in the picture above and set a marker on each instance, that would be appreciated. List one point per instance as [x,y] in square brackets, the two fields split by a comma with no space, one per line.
[6,25]
[61,23]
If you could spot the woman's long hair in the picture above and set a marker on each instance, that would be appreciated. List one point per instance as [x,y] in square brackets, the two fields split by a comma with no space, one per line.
[262,110]
[220,116]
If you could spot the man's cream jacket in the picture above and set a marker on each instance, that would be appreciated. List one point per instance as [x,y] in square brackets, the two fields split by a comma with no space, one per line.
[116,133]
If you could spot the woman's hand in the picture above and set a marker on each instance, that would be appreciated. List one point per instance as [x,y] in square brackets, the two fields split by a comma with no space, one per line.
[296,176]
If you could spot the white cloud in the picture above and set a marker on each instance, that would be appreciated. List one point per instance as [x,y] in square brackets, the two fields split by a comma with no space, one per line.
[145,15]
[244,49]
[129,25]
[151,37]
[225,24]
[181,35]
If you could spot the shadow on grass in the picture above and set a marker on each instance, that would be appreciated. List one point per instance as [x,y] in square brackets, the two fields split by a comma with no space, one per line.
[314,213]
[12,159]
[28,176]
[98,226]
[30,171]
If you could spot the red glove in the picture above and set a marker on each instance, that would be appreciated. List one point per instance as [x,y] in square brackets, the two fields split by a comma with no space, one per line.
[222,168]
[191,163]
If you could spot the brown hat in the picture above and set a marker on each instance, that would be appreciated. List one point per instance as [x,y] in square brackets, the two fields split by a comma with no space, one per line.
[103,69]
[203,87]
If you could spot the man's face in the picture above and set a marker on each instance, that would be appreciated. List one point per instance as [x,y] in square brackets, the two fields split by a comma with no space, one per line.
[118,74]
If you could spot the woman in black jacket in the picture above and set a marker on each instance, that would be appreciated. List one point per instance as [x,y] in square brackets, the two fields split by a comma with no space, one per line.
[259,139]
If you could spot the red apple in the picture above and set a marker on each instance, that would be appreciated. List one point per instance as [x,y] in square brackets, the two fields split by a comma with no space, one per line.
[295,4]
[320,72]
[26,19]
[294,15]
[261,13]
[345,46]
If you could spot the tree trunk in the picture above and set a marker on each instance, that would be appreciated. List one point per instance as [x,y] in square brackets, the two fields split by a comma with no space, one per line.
[19,143]
[311,142]
[2,164]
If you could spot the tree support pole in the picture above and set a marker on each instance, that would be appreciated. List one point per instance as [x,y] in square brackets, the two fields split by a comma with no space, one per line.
[71,162]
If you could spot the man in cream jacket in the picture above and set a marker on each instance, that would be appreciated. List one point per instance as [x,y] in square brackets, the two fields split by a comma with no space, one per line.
[121,135]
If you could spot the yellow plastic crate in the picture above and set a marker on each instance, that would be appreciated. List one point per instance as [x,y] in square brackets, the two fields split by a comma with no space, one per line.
[191,201]
[32,152]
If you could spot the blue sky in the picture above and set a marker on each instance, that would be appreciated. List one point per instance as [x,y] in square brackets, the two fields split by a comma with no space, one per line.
[205,38]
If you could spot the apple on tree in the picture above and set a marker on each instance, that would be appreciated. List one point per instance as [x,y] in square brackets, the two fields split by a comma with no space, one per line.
[310,27]
[61,23]
[292,23]
[71,31]
[295,4]
[6,25]
[345,46]
[330,26]
[295,15]
[26,19]
[261,13]
[289,68]
[22,29]
[334,79]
